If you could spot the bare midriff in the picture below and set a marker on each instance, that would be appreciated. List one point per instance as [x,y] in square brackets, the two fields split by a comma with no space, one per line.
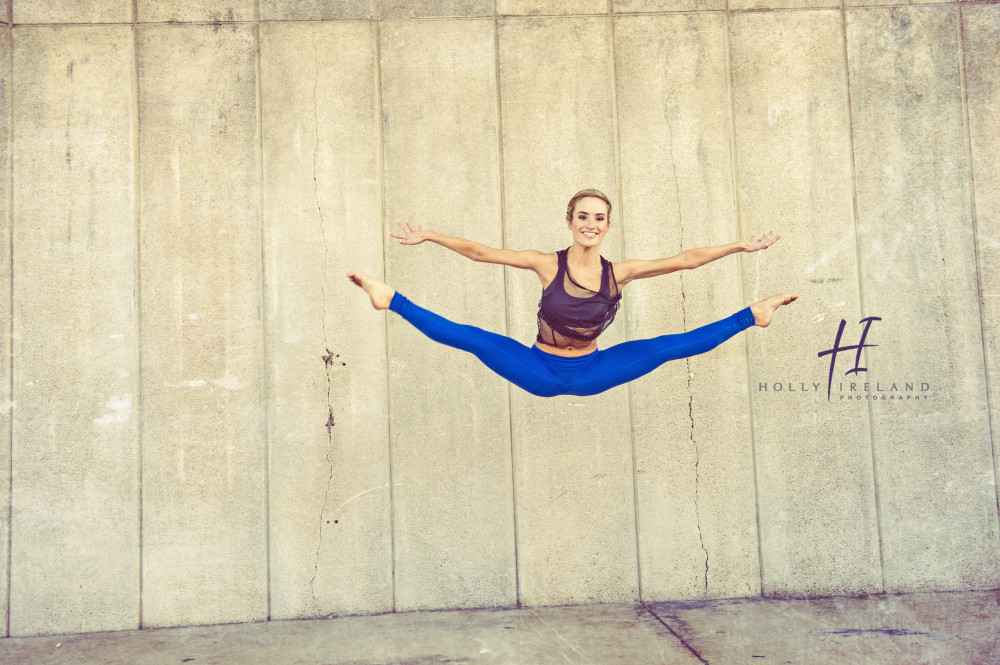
[568,351]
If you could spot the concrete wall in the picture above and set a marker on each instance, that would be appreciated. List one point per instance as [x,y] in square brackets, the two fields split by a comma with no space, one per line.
[207,423]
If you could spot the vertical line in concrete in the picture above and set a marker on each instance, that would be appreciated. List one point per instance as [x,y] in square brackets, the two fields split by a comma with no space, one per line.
[861,283]
[613,69]
[262,313]
[506,293]
[738,208]
[137,288]
[10,312]
[960,27]
[376,36]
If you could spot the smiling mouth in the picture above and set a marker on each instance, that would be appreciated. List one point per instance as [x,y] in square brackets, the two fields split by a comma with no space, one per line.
[590,234]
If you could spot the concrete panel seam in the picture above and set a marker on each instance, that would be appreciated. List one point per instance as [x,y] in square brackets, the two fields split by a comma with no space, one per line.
[530,17]
[379,115]
[836,5]
[861,283]
[128,23]
[781,10]
[512,17]
[434,19]
[262,313]
[673,632]
[297,21]
[613,70]
[498,101]
[970,165]
[890,5]
[10,301]
[137,202]
[71,25]
[667,12]
[738,209]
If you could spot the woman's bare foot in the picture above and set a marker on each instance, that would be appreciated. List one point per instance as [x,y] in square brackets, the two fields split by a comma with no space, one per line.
[764,310]
[380,292]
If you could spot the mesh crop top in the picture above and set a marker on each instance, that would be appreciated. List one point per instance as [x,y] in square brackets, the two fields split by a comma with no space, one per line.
[571,315]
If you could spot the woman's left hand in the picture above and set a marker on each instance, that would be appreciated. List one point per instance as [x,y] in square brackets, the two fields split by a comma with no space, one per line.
[763,242]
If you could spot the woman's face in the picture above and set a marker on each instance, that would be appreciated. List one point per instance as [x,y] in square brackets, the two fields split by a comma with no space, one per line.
[589,222]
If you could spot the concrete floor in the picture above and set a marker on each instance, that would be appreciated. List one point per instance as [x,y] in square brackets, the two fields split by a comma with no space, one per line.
[953,628]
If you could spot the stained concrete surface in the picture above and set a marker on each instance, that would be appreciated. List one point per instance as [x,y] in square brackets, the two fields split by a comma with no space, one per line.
[314,10]
[913,193]
[247,153]
[600,634]
[330,534]
[439,126]
[574,503]
[690,425]
[792,128]
[953,628]
[74,441]
[981,29]
[56,11]
[204,543]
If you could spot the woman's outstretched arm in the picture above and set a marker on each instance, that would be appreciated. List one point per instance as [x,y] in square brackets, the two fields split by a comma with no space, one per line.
[528,259]
[628,271]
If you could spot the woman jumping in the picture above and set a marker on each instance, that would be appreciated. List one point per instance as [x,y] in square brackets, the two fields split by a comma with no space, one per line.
[580,295]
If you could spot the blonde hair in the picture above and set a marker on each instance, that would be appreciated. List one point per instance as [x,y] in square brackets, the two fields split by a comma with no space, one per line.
[582,194]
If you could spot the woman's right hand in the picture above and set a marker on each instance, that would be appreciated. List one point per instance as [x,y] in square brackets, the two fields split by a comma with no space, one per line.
[410,235]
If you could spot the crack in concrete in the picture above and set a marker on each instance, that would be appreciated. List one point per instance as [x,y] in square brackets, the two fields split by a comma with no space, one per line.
[328,359]
[694,442]
[687,361]
[319,208]
[697,479]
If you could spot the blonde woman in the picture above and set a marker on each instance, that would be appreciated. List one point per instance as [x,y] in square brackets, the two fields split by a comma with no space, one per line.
[581,291]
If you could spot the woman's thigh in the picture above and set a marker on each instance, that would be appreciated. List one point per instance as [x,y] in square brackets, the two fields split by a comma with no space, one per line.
[512,360]
[629,360]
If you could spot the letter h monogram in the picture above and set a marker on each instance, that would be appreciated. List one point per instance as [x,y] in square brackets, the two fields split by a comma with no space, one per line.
[837,348]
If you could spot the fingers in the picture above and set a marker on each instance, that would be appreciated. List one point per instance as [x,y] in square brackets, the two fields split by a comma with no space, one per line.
[765,241]
[768,239]
[407,235]
[405,228]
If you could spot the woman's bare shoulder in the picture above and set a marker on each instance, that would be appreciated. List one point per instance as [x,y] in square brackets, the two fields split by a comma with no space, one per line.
[547,267]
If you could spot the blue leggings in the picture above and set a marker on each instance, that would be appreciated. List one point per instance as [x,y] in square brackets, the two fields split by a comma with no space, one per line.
[547,375]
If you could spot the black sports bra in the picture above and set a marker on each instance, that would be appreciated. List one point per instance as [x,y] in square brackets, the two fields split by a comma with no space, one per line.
[571,315]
